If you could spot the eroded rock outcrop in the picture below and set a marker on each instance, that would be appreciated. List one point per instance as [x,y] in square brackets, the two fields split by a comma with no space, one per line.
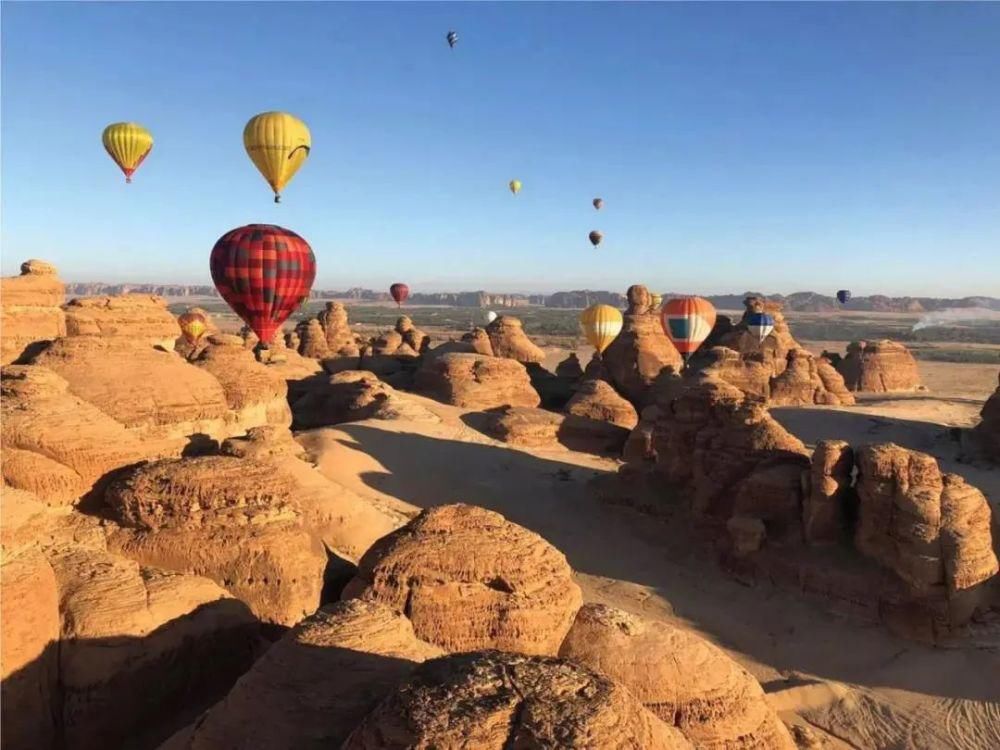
[318,682]
[681,678]
[641,350]
[353,395]
[312,339]
[340,339]
[511,342]
[232,520]
[58,446]
[141,318]
[596,399]
[528,427]
[801,384]
[469,579]
[30,310]
[492,700]
[475,381]
[479,341]
[570,368]
[879,367]
[984,439]
[828,504]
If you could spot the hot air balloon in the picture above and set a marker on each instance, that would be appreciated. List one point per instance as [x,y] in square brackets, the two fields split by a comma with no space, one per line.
[598,203]
[596,237]
[128,143]
[452,38]
[515,186]
[399,292]
[656,301]
[687,321]
[193,325]
[490,316]
[601,325]
[264,273]
[278,144]
[760,325]
[843,296]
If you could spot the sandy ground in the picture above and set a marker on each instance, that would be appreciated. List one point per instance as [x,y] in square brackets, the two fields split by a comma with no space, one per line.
[853,683]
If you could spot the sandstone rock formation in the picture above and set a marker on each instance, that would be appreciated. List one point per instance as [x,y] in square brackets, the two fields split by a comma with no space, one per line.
[826,508]
[413,337]
[96,649]
[30,310]
[469,579]
[312,339]
[340,339]
[641,350]
[597,400]
[879,367]
[931,529]
[317,683]
[479,341]
[773,350]
[570,368]
[681,678]
[139,317]
[492,700]
[55,444]
[353,395]
[232,520]
[475,381]
[511,342]
[984,439]
[527,427]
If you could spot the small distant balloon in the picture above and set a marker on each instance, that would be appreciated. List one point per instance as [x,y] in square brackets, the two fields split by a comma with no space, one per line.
[491,316]
[601,325]
[128,144]
[657,300]
[515,186]
[843,296]
[598,203]
[452,38]
[399,292]
[760,325]
[193,325]
[596,238]
[687,321]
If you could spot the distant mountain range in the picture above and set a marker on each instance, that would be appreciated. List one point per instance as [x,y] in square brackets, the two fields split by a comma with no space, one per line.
[577,299]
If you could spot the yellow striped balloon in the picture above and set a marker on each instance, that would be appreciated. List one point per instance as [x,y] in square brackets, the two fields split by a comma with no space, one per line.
[193,325]
[278,144]
[515,186]
[601,324]
[128,143]
[687,321]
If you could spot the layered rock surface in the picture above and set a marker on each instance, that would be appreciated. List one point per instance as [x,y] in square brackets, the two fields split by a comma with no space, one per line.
[879,367]
[596,399]
[509,341]
[469,579]
[30,310]
[475,381]
[138,317]
[528,427]
[353,395]
[681,678]
[492,700]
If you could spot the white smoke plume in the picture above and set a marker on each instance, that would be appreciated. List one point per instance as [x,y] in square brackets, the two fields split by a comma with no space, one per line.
[957,315]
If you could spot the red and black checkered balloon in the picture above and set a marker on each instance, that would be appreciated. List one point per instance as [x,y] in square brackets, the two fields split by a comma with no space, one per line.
[264,273]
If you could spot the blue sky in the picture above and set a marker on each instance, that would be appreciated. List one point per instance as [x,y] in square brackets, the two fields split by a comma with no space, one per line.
[779,147]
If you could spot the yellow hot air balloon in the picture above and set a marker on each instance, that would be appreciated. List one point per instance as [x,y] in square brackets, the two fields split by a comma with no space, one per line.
[515,186]
[193,326]
[277,143]
[128,143]
[601,325]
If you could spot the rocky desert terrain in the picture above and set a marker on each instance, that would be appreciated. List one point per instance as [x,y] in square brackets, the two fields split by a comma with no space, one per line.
[394,540]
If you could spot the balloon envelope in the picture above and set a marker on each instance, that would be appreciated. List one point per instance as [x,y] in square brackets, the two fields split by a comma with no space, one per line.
[399,292]
[128,143]
[657,300]
[515,186]
[452,38]
[193,326]
[598,203]
[844,295]
[687,321]
[601,324]
[263,272]
[278,144]
[490,316]
[596,237]
[760,325]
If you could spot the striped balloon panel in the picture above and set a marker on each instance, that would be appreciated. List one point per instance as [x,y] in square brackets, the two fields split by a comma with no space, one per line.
[601,324]
[687,321]
[264,273]
[760,325]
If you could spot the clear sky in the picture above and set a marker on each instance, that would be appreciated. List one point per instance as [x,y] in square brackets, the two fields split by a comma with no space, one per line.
[778,147]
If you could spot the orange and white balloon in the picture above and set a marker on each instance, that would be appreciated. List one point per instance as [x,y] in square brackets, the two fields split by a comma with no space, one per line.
[687,321]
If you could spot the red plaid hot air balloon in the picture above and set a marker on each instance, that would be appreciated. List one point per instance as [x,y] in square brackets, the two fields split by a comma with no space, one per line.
[264,272]
[399,292]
